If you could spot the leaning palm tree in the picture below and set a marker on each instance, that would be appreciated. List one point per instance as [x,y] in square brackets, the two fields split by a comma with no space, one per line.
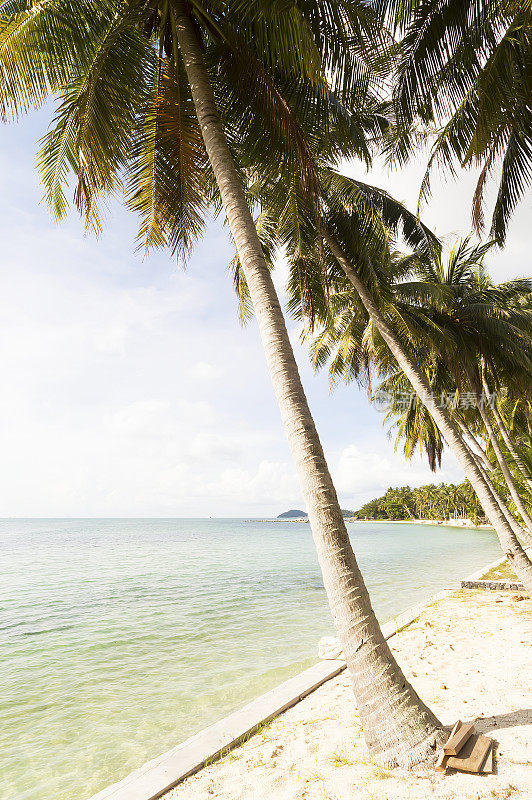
[465,70]
[340,239]
[414,428]
[489,325]
[504,434]
[183,104]
[475,318]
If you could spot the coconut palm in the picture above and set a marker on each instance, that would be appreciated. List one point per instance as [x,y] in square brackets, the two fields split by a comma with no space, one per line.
[466,69]
[182,105]
[479,318]
[415,428]
[445,501]
[360,250]
[518,460]
[488,324]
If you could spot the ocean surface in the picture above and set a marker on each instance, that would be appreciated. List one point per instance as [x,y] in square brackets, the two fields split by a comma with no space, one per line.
[119,638]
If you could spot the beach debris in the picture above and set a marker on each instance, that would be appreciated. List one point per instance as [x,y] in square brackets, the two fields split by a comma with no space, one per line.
[456,742]
[330,648]
[466,751]
[441,762]
[473,754]
[488,763]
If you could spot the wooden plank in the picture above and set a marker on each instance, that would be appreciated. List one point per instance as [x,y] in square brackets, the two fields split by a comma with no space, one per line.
[441,761]
[456,727]
[472,754]
[456,742]
[487,766]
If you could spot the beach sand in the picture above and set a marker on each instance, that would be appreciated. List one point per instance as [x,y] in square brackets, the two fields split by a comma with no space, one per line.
[469,656]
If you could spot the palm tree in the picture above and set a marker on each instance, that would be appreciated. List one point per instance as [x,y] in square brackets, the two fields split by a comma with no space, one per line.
[503,464]
[164,95]
[488,324]
[503,432]
[345,236]
[495,512]
[429,501]
[465,68]
[415,428]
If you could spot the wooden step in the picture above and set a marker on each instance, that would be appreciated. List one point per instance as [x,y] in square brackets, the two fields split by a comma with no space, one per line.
[472,755]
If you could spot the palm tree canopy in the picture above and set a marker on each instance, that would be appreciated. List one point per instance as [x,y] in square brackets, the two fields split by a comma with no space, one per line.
[125,122]
[466,68]
[450,319]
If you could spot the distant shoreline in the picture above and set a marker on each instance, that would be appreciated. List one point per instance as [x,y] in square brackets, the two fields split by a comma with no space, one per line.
[467,524]
[446,524]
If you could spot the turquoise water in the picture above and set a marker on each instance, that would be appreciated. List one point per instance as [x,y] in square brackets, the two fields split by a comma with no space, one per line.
[119,638]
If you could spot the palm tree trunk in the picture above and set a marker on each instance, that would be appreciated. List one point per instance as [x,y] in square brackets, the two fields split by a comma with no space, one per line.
[508,477]
[528,415]
[485,466]
[398,727]
[519,531]
[522,534]
[511,546]
[478,453]
[521,466]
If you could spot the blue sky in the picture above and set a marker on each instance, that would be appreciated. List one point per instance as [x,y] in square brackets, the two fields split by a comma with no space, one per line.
[128,386]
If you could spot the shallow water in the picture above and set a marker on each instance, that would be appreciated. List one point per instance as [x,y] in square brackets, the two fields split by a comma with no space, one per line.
[119,638]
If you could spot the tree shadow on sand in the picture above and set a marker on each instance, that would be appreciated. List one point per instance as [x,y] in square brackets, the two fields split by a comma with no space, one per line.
[522,716]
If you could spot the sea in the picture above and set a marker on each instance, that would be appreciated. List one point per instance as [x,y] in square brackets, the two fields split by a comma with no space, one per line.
[119,638]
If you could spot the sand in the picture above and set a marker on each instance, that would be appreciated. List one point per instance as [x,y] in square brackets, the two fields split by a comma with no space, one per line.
[469,656]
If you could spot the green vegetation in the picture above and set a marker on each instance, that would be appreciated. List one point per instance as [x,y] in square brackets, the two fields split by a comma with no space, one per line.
[501,573]
[441,502]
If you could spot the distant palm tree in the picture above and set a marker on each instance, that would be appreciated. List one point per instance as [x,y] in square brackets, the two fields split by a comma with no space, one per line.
[430,502]
[415,428]
[488,324]
[402,315]
[503,432]
[184,104]
[466,69]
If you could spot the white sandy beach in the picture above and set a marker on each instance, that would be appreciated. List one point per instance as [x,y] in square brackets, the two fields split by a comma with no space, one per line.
[449,523]
[470,658]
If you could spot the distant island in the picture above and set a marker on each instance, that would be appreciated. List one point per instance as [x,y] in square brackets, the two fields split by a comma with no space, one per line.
[296,513]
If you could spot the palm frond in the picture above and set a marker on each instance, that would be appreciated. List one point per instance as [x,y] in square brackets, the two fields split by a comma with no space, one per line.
[91,133]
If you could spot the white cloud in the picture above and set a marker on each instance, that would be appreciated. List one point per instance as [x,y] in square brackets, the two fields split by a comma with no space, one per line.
[204,371]
[364,474]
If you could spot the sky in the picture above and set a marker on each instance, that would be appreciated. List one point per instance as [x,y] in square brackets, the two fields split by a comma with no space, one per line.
[129,387]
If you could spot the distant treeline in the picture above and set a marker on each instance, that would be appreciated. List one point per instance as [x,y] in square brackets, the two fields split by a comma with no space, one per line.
[440,502]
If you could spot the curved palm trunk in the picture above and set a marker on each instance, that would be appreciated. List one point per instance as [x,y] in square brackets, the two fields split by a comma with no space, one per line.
[521,466]
[508,477]
[478,452]
[509,542]
[485,466]
[528,415]
[520,532]
[398,727]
